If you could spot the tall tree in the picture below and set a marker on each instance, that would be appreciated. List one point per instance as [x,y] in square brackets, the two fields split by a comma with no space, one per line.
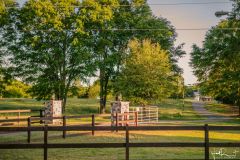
[146,75]
[5,7]
[217,64]
[47,42]
[113,36]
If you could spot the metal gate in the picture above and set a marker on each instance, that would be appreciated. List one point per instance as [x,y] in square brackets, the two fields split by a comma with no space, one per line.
[146,114]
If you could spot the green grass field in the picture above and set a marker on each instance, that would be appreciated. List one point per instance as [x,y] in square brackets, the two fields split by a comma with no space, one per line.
[170,110]
[175,109]
[222,109]
[116,153]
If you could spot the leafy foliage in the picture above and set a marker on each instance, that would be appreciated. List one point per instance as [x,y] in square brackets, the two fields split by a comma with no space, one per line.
[111,42]
[16,89]
[217,64]
[53,43]
[47,42]
[5,6]
[94,90]
[146,74]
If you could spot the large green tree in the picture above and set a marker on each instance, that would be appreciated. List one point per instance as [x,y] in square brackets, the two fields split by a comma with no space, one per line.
[147,74]
[217,63]
[47,42]
[134,19]
[5,7]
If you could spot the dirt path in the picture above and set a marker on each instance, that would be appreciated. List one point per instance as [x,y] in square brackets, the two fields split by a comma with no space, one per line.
[198,107]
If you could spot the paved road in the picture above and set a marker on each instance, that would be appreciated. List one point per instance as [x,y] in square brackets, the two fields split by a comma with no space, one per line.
[209,116]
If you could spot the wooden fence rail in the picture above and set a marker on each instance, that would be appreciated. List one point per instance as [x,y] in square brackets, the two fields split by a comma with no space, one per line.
[18,112]
[31,120]
[64,122]
[45,146]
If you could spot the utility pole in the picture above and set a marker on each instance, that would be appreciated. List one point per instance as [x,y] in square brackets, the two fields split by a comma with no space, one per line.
[183,94]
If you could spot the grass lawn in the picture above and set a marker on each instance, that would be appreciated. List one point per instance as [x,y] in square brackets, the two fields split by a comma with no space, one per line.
[222,109]
[168,109]
[176,109]
[116,153]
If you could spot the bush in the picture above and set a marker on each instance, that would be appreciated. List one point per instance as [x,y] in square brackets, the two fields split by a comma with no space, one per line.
[94,91]
[16,89]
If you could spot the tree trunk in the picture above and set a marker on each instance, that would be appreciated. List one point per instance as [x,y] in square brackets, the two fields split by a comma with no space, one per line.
[103,90]
[102,104]
[61,93]
[64,102]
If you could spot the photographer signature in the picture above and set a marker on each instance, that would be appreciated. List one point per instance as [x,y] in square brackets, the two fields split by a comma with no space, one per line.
[222,153]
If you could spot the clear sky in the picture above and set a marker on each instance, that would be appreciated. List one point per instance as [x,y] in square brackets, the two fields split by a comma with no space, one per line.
[188,16]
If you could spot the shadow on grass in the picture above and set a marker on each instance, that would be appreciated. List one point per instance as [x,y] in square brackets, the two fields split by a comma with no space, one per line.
[118,153]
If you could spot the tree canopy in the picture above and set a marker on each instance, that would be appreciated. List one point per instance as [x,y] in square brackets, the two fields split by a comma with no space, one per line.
[146,74]
[46,41]
[52,43]
[217,63]
[134,20]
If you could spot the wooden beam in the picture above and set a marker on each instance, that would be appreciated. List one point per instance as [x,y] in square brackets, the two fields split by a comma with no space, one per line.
[15,111]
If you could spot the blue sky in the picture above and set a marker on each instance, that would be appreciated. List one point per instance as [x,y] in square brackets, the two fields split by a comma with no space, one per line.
[188,16]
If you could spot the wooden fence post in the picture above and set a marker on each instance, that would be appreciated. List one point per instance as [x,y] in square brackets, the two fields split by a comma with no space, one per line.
[41,115]
[93,123]
[64,125]
[127,143]
[136,118]
[149,115]
[19,115]
[116,122]
[206,128]
[29,131]
[45,142]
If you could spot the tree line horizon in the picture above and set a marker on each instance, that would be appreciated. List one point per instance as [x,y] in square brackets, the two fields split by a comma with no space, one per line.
[54,45]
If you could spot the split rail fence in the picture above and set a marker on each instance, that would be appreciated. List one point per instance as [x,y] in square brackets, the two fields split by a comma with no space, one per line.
[17,112]
[45,146]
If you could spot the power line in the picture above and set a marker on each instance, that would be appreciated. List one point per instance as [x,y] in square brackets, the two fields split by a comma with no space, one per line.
[135,29]
[152,4]
[159,29]
[193,3]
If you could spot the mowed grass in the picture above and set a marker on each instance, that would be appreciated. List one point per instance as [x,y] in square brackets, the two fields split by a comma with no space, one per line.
[168,108]
[222,109]
[74,106]
[177,109]
[116,153]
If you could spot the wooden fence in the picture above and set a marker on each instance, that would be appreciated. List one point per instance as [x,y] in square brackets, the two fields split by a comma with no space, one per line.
[45,146]
[64,122]
[18,112]
[126,118]
[30,120]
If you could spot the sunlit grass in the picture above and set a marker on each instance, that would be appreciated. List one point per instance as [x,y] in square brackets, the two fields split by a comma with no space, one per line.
[177,109]
[168,108]
[113,137]
[223,109]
